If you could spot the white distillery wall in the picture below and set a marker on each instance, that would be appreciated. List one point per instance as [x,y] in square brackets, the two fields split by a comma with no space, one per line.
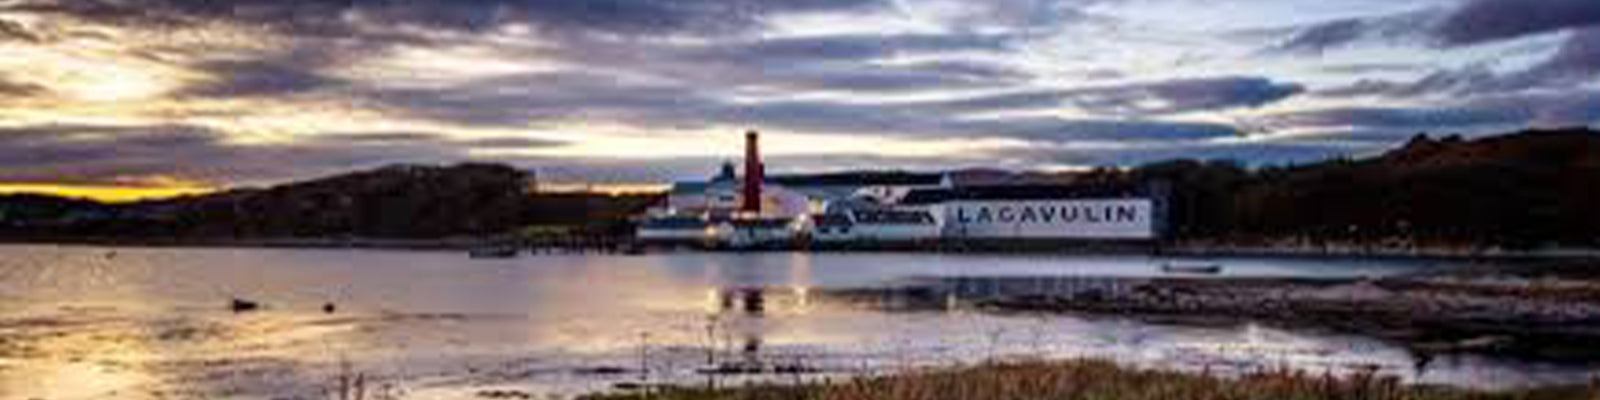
[1050,219]
[896,232]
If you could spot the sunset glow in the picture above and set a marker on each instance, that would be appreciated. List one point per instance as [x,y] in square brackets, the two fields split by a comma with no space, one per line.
[103,193]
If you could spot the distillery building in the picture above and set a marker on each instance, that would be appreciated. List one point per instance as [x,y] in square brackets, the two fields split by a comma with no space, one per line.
[874,208]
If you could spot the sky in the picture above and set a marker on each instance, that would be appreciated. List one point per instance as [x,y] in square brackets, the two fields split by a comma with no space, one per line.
[178,95]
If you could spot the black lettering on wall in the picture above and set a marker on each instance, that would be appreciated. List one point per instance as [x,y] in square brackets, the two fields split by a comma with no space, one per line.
[1069,214]
[1127,213]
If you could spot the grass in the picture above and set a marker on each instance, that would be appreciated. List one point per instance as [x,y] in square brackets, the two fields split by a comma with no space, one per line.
[1099,380]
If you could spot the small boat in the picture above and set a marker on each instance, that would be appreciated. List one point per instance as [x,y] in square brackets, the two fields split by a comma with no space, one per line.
[1208,269]
[493,252]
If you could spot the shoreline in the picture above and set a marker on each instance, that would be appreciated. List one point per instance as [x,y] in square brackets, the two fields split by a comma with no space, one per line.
[462,244]
[1082,379]
[1021,248]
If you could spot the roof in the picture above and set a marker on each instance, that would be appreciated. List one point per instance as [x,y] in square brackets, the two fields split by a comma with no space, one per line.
[860,178]
[822,220]
[702,187]
[673,223]
[1021,192]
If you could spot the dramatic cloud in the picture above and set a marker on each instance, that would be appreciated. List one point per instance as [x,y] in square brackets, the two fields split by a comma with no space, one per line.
[1479,114]
[258,78]
[1469,22]
[112,154]
[1146,98]
[1576,62]
[231,91]
[1317,39]
[1466,79]
[346,17]
[1482,21]
[1185,95]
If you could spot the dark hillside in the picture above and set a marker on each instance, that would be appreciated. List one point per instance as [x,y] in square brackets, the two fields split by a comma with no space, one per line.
[405,201]
[1524,189]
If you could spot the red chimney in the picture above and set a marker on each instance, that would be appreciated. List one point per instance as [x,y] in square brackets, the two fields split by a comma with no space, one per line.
[753,174]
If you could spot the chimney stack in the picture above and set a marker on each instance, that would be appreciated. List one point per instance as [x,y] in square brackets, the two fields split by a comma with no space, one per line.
[753,174]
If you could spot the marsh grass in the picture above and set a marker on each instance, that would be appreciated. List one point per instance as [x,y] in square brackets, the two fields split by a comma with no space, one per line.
[1101,380]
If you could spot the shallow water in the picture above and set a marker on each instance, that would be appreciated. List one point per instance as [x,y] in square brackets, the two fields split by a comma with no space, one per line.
[93,322]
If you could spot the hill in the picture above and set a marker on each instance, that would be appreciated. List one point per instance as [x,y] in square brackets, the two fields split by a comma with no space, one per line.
[1524,189]
[402,201]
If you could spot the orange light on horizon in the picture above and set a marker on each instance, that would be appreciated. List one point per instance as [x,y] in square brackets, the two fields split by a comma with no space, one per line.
[104,193]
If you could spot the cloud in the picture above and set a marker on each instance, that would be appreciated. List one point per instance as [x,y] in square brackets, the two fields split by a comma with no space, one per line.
[1574,63]
[1370,67]
[344,17]
[12,88]
[1074,77]
[1458,80]
[1245,152]
[840,62]
[1049,129]
[1029,16]
[258,77]
[1481,21]
[1185,95]
[1322,37]
[1400,117]
[1477,114]
[108,154]
[844,47]
[13,30]
[1139,99]
[1472,22]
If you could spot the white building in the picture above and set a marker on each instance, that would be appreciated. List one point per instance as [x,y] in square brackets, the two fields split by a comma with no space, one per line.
[901,207]
[1069,212]
[874,225]
[681,229]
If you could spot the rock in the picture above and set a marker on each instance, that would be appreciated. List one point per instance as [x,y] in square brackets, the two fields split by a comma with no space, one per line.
[504,394]
[328,308]
[602,370]
[241,305]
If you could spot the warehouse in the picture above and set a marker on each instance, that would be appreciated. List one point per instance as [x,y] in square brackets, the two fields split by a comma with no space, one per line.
[1043,211]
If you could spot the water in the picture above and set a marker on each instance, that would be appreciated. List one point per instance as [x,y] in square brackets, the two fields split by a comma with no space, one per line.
[89,322]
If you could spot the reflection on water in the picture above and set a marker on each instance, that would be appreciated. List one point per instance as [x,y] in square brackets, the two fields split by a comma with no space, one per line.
[78,323]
